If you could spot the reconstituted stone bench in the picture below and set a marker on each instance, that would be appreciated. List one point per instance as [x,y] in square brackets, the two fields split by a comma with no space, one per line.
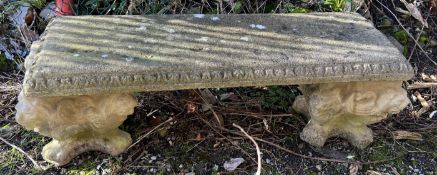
[81,76]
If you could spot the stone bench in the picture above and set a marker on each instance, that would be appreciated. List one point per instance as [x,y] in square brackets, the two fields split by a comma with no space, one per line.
[81,76]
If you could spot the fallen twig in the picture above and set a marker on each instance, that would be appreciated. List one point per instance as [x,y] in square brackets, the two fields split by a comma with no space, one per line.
[423,102]
[230,141]
[19,149]
[150,132]
[208,102]
[258,152]
[421,86]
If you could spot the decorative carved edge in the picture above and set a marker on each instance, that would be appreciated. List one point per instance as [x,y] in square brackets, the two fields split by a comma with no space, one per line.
[80,84]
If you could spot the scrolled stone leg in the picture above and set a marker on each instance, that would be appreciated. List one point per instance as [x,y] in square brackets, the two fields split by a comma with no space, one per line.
[345,109]
[77,123]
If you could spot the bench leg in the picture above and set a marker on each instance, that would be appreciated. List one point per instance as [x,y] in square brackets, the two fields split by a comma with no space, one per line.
[345,109]
[77,123]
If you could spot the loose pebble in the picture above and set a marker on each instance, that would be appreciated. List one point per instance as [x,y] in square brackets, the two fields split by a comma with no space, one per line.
[105,55]
[232,164]
[153,158]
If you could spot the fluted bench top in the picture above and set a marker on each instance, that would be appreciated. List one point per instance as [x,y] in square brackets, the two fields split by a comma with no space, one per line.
[80,55]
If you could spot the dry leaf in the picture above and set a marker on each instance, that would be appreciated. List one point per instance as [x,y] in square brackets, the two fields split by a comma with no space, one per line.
[353,169]
[30,16]
[162,132]
[218,118]
[199,137]
[415,12]
[155,121]
[191,107]
[401,135]
[208,96]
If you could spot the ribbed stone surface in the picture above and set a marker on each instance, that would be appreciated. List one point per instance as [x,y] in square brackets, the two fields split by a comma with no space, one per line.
[113,54]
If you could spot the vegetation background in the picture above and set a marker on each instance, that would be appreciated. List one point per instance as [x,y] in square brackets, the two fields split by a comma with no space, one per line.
[199,141]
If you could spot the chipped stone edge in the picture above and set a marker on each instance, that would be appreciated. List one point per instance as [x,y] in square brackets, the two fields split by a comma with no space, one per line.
[110,83]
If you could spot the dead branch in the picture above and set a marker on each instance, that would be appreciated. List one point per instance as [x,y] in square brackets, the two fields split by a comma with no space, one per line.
[423,102]
[421,86]
[219,133]
[150,132]
[258,152]
[19,149]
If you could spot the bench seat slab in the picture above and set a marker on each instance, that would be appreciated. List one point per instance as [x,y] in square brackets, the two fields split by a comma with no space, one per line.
[83,55]
[77,124]
[345,109]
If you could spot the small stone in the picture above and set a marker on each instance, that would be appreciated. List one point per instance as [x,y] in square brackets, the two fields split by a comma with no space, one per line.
[76,55]
[319,167]
[153,158]
[350,156]
[105,55]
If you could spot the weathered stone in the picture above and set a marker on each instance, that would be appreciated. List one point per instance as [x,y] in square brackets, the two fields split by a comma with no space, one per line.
[345,109]
[117,54]
[77,123]
[79,76]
